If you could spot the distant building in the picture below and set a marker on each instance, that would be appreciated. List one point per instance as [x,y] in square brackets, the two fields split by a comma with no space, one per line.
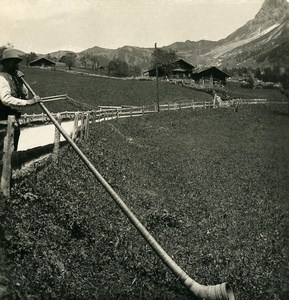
[153,72]
[178,69]
[42,62]
[210,73]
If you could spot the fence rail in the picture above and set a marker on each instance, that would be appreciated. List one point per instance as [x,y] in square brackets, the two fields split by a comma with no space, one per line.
[108,112]
[105,112]
[82,119]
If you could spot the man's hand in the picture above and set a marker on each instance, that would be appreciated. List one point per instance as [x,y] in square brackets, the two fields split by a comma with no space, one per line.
[33,101]
[19,74]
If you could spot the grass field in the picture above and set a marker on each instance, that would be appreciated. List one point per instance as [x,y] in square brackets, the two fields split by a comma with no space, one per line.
[211,185]
[103,91]
[236,91]
[106,91]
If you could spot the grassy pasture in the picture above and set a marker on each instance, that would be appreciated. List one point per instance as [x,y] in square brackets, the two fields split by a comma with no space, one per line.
[106,91]
[211,185]
[103,91]
[236,91]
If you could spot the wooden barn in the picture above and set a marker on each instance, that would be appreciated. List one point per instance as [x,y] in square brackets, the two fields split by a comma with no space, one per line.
[152,72]
[179,68]
[211,73]
[42,62]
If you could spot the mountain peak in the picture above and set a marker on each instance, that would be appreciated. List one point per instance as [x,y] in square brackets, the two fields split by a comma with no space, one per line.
[275,3]
[274,9]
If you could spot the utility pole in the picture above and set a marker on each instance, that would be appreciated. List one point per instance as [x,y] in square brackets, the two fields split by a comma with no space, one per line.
[157,77]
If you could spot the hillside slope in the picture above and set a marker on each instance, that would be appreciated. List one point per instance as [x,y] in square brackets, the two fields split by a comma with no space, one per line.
[211,186]
[248,45]
[104,91]
[269,29]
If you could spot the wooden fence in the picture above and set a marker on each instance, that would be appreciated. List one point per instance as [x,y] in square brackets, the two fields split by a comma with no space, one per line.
[79,133]
[101,113]
[107,112]
[82,119]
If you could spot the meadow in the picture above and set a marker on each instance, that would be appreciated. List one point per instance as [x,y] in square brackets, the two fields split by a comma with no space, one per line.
[236,91]
[107,91]
[211,186]
[102,91]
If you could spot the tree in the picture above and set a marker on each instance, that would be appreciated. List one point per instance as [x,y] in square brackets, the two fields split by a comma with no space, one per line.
[118,68]
[250,82]
[258,73]
[267,76]
[69,59]
[134,71]
[163,57]
[29,57]
[84,59]
[95,61]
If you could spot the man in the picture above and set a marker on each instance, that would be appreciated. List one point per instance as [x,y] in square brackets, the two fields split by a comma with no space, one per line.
[12,94]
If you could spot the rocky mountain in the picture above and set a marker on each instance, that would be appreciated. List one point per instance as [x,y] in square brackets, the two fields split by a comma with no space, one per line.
[255,42]
[57,54]
[134,56]
[262,41]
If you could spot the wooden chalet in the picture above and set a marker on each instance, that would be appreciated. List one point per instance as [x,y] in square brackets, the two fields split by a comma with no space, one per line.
[210,73]
[153,72]
[42,62]
[179,69]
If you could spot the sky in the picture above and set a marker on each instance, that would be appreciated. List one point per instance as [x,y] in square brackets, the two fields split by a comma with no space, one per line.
[44,26]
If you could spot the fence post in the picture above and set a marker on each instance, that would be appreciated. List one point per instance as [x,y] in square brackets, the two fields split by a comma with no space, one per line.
[86,127]
[82,125]
[92,117]
[7,155]
[142,109]
[180,105]
[75,126]
[169,106]
[56,140]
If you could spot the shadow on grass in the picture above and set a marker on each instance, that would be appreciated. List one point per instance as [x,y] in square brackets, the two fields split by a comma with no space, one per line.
[20,158]
[280,113]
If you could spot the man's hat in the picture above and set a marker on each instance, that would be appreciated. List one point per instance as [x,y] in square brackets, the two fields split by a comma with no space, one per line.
[11,54]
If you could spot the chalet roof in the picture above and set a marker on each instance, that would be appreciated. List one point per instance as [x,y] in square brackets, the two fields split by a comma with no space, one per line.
[201,70]
[178,60]
[42,58]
